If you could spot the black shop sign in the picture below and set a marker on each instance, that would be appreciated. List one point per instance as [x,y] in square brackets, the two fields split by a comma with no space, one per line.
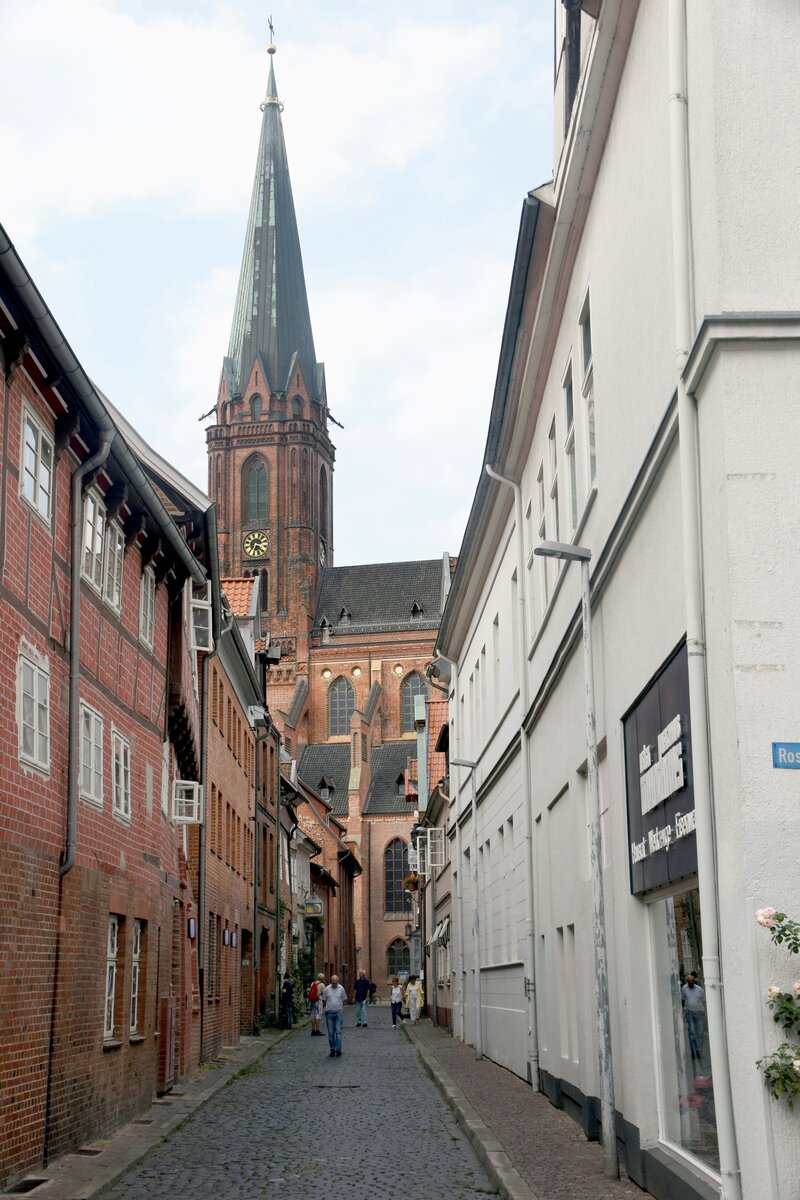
[662,844]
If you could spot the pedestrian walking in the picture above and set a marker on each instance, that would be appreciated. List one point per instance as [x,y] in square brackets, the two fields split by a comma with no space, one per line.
[287,1000]
[361,993]
[693,1000]
[414,998]
[396,999]
[335,997]
[315,995]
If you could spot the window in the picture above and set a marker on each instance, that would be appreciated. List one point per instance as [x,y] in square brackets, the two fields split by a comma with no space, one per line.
[395,870]
[136,973]
[202,638]
[115,553]
[37,467]
[553,462]
[112,947]
[341,706]
[256,406]
[544,576]
[569,450]
[413,685]
[588,389]
[33,690]
[121,763]
[187,802]
[94,527]
[91,755]
[147,607]
[398,959]
[256,491]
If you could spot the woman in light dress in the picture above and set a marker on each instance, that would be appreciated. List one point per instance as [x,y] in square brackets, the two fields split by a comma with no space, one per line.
[414,998]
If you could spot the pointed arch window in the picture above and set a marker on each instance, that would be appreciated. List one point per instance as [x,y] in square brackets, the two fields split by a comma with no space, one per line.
[413,685]
[255,491]
[395,870]
[398,958]
[341,706]
[256,406]
[323,505]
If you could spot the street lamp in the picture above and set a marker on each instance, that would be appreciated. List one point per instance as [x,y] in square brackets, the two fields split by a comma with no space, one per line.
[570,553]
[476,912]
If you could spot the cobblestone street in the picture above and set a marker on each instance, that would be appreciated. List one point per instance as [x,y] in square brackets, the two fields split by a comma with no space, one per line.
[301,1123]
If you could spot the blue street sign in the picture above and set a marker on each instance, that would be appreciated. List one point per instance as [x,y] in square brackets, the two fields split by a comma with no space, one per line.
[786,755]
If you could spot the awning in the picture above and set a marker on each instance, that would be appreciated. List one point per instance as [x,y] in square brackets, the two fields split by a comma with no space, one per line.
[441,934]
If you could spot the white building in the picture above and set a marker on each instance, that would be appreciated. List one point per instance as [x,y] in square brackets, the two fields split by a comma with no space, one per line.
[645,409]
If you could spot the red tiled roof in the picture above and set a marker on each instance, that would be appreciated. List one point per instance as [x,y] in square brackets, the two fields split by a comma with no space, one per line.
[238,593]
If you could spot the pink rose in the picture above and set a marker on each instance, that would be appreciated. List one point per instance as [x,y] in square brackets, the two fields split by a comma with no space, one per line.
[764,917]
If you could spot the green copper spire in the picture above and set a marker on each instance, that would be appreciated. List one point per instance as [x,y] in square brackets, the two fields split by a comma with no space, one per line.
[271,316]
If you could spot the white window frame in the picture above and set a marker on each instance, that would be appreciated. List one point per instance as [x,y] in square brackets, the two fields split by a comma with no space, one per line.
[587,390]
[147,607]
[570,450]
[33,711]
[114,564]
[120,775]
[94,537]
[165,763]
[202,632]
[112,953]
[545,570]
[36,473]
[552,455]
[136,958]
[187,802]
[91,743]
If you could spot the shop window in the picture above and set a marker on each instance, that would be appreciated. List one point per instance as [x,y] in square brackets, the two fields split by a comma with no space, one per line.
[686,1105]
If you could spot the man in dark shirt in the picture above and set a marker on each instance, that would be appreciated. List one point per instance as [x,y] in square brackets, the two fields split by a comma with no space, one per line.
[287,996]
[361,993]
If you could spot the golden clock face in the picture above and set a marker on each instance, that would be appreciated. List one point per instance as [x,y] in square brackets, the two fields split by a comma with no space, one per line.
[255,544]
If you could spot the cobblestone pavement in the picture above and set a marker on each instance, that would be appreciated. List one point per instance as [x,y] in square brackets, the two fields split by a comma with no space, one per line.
[542,1146]
[300,1123]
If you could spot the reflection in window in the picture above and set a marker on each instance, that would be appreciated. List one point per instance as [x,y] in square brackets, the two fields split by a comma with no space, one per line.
[688,1117]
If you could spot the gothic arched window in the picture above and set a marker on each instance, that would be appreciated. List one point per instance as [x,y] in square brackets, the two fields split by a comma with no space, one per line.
[256,404]
[341,706]
[395,870]
[398,958]
[255,491]
[297,406]
[413,685]
[323,505]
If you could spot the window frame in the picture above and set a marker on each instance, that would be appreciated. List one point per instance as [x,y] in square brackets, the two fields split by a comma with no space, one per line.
[113,929]
[93,541]
[570,451]
[114,565]
[42,438]
[334,702]
[407,698]
[120,743]
[40,674]
[201,623]
[95,768]
[136,974]
[147,607]
[393,875]
[587,388]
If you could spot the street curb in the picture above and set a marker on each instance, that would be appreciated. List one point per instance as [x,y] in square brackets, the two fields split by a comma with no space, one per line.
[93,1171]
[496,1162]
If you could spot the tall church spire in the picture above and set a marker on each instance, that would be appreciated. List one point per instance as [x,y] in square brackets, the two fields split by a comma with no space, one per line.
[271,317]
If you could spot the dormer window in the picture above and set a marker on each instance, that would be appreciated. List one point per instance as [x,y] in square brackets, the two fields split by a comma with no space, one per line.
[416,610]
[344,616]
[401,784]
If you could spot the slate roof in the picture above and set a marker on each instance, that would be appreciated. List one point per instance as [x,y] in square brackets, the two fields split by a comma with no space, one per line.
[331,759]
[271,317]
[388,763]
[380,597]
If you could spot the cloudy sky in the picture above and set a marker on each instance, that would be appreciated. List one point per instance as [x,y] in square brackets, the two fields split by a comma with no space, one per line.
[128,138]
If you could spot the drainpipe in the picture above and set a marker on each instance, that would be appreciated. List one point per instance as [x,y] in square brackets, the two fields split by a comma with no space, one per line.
[695,640]
[527,806]
[107,435]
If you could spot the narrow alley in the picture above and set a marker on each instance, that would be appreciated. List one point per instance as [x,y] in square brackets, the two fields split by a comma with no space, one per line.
[300,1123]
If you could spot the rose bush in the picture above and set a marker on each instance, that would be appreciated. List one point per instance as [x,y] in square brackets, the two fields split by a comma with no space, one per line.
[781,1068]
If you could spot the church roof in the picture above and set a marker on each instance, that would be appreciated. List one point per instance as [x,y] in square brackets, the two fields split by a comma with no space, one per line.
[271,316]
[332,760]
[389,762]
[381,596]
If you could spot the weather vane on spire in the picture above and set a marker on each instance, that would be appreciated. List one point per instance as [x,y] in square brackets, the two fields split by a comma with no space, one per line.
[271,28]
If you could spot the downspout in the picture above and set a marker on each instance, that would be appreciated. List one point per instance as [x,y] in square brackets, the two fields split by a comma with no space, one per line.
[530,908]
[107,435]
[218,630]
[693,575]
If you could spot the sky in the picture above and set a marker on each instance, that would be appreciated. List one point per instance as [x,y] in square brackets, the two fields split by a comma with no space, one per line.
[128,139]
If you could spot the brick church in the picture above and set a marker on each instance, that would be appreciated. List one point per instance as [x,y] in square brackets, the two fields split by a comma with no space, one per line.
[354,640]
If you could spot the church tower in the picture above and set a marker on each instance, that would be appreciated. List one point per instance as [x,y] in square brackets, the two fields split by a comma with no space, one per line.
[270,456]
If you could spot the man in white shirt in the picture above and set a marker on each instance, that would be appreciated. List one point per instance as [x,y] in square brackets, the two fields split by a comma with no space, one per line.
[335,997]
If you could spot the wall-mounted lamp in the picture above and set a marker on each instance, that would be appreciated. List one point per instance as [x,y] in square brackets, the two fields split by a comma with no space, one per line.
[191,929]
[226,937]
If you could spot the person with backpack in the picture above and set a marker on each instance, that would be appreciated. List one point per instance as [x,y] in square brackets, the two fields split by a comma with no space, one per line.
[315,996]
